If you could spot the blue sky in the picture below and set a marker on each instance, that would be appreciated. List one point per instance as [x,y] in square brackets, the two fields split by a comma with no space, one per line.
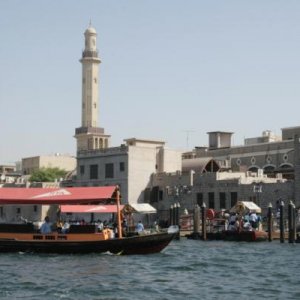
[168,67]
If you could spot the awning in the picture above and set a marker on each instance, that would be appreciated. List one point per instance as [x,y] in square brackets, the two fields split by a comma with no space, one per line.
[245,207]
[74,195]
[89,208]
[142,208]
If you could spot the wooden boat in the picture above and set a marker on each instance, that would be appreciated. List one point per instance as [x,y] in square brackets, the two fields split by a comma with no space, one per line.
[245,236]
[79,239]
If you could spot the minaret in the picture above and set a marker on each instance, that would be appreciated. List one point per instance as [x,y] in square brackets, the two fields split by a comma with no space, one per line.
[89,136]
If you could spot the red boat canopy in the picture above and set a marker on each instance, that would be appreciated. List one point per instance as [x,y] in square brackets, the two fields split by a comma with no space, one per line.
[89,208]
[74,195]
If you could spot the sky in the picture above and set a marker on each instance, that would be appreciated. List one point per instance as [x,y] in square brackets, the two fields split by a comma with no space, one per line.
[171,70]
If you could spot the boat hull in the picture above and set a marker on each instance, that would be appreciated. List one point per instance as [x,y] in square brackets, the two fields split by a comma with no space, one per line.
[143,244]
[227,235]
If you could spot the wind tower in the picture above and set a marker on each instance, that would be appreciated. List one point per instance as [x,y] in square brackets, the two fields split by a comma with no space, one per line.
[89,136]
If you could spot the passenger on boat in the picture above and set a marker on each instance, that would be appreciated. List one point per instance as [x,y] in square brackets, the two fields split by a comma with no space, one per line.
[139,227]
[253,219]
[59,225]
[100,225]
[46,226]
[124,227]
[65,228]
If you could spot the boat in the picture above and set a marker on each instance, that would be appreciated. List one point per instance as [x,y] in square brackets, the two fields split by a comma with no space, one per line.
[79,239]
[217,227]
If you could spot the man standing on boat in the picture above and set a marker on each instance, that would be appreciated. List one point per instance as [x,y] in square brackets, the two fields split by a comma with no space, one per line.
[139,227]
[46,226]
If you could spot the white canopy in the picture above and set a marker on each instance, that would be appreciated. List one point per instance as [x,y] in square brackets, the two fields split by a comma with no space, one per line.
[142,208]
[245,207]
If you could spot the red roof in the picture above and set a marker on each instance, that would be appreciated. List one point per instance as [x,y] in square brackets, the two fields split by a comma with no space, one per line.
[74,195]
[89,208]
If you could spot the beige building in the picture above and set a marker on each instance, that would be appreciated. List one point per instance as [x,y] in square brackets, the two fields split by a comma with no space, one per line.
[130,166]
[64,162]
[218,190]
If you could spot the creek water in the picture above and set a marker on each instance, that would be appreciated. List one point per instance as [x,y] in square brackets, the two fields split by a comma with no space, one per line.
[186,269]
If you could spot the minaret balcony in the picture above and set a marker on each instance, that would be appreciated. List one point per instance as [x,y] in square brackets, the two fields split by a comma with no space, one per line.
[89,53]
[89,130]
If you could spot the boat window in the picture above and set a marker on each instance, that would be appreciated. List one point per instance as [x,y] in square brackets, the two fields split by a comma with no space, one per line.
[37,237]
[50,237]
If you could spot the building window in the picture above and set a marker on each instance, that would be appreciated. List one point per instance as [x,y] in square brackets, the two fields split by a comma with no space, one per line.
[233,198]
[109,170]
[154,196]
[93,171]
[161,195]
[81,168]
[122,166]
[199,199]
[222,200]
[35,208]
[211,200]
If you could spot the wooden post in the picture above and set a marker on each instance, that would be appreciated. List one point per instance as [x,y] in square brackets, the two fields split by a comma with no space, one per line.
[203,218]
[119,212]
[270,223]
[196,220]
[174,214]
[178,214]
[171,216]
[292,222]
[281,224]
[177,219]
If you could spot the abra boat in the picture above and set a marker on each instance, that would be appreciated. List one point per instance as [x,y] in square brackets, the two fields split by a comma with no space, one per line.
[79,239]
[240,234]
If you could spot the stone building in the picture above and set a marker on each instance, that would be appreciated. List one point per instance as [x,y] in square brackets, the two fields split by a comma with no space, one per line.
[219,190]
[64,162]
[130,166]
[275,156]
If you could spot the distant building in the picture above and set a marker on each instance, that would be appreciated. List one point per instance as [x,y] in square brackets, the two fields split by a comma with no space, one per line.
[218,190]
[64,162]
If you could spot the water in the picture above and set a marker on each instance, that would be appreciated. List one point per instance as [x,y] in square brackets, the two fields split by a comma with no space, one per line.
[187,269]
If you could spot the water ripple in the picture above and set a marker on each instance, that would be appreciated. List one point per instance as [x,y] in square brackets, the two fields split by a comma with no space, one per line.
[185,270]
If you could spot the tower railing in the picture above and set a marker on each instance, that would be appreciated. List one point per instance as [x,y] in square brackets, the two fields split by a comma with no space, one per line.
[89,53]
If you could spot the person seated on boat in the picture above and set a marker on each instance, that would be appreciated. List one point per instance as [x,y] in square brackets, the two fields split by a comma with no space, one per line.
[59,225]
[124,227]
[65,228]
[100,225]
[247,226]
[232,218]
[253,220]
[46,226]
[237,225]
[139,227]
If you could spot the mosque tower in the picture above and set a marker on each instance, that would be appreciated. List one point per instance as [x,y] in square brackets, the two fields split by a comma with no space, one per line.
[89,136]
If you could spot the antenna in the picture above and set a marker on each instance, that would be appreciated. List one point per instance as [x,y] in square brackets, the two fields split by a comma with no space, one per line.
[188,137]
